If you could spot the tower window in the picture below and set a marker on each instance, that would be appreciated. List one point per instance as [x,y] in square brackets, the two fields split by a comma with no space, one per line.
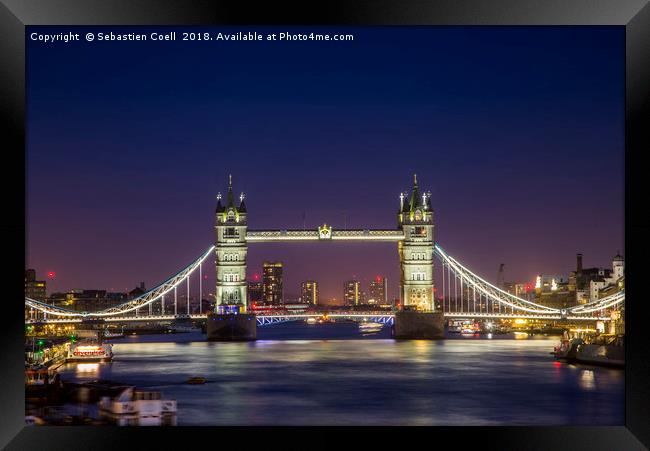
[230,232]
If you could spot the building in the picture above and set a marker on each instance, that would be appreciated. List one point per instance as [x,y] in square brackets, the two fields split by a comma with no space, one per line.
[255,293]
[272,283]
[588,282]
[87,300]
[415,219]
[35,289]
[137,291]
[331,302]
[352,292]
[522,290]
[230,252]
[309,292]
[553,291]
[378,291]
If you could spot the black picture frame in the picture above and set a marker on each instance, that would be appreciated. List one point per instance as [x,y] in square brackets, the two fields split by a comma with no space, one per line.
[634,15]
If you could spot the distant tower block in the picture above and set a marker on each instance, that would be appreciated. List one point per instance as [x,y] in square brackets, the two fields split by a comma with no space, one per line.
[415,218]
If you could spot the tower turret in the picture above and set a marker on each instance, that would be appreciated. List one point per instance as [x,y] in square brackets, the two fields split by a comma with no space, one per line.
[220,208]
[242,205]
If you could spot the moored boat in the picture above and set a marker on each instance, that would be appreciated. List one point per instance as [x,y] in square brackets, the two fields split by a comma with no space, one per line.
[605,349]
[90,352]
[107,334]
[134,407]
[591,347]
[368,327]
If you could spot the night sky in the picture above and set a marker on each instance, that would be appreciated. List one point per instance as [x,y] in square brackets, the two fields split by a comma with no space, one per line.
[518,133]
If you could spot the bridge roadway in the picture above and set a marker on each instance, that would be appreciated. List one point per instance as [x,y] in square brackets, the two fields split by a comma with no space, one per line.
[385,318]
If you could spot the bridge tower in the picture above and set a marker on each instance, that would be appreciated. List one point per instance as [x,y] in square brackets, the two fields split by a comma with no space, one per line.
[230,252]
[415,218]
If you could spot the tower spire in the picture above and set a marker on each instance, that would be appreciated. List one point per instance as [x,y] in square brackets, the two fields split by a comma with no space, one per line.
[415,195]
[231,197]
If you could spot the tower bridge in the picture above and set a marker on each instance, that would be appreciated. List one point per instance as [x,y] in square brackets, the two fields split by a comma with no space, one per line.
[464,293]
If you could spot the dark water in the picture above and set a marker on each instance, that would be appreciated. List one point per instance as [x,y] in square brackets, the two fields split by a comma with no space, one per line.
[373,380]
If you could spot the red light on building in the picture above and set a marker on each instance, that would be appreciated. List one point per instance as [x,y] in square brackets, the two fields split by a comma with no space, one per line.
[51,274]
[378,279]
[256,277]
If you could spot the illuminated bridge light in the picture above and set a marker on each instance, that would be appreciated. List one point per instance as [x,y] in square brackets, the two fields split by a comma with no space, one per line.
[478,290]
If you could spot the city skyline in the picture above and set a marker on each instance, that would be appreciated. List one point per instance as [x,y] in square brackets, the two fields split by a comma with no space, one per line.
[122,176]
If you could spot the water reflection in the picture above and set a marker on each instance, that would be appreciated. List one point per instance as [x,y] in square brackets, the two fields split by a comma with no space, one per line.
[461,381]
[87,369]
[587,380]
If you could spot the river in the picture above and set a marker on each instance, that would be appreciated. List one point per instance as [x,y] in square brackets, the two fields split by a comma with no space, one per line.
[298,374]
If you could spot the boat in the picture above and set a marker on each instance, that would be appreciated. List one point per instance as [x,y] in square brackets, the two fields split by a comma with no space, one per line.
[604,349]
[368,327]
[196,380]
[591,347]
[90,352]
[132,407]
[468,330]
[108,334]
[567,349]
[311,320]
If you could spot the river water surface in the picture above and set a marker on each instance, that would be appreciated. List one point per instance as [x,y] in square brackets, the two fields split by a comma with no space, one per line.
[298,374]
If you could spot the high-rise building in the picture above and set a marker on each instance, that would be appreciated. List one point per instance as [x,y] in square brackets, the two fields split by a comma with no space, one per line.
[272,280]
[378,291]
[352,292]
[35,289]
[255,292]
[309,292]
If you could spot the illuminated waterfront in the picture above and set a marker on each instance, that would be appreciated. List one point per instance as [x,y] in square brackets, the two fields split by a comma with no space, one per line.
[372,380]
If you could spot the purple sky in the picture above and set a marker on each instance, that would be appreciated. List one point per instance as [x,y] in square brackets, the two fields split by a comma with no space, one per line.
[517,132]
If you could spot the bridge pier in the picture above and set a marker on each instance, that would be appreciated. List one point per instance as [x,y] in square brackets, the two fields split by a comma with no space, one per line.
[414,325]
[230,327]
